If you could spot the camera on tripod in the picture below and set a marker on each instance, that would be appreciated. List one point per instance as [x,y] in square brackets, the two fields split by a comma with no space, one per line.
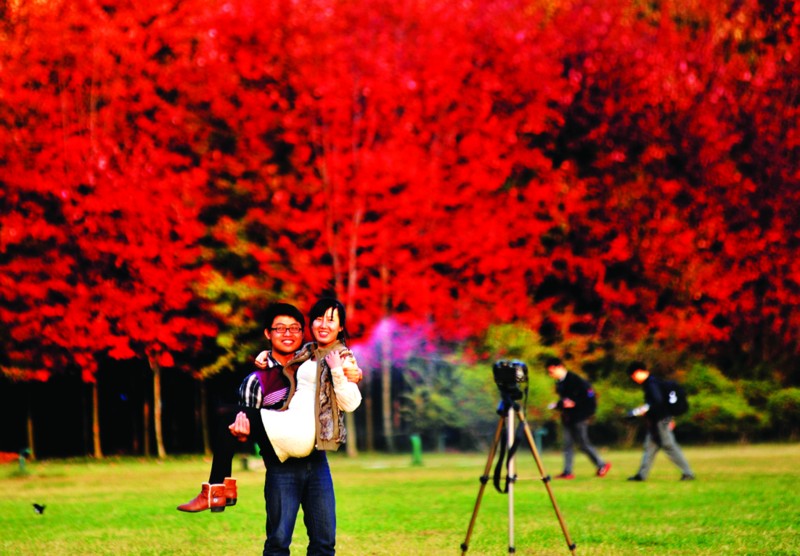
[511,376]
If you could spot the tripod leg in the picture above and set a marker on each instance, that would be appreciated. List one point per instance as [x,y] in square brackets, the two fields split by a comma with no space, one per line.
[545,479]
[484,478]
[511,431]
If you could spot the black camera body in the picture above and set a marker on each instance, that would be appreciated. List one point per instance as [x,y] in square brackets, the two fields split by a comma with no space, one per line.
[511,376]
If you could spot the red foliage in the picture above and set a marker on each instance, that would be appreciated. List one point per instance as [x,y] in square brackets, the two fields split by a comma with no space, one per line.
[603,169]
[101,228]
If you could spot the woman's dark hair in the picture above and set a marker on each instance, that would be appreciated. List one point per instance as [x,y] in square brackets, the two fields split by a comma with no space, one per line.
[322,306]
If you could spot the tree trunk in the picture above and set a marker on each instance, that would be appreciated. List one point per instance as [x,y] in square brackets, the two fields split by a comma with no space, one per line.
[386,390]
[31,447]
[386,364]
[352,275]
[146,427]
[204,417]
[156,368]
[352,279]
[366,391]
[133,415]
[98,452]
[352,438]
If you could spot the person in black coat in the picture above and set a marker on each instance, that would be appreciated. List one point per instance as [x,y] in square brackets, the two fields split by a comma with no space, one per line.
[577,403]
[660,425]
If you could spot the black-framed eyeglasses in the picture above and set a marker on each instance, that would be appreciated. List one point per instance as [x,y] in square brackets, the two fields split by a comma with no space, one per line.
[281,329]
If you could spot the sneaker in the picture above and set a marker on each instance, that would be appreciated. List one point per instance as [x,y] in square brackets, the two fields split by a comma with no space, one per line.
[686,477]
[603,470]
[565,476]
[636,477]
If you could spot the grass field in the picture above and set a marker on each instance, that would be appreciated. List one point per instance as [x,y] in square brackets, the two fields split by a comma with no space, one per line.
[745,501]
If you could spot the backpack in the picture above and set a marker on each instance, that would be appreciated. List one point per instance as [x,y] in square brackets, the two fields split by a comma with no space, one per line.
[675,399]
[591,399]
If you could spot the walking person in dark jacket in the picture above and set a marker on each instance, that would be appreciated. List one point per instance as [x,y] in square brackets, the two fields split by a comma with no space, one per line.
[660,425]
[577,403]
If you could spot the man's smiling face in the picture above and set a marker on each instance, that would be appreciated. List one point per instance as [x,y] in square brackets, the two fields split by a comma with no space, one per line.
[285,334]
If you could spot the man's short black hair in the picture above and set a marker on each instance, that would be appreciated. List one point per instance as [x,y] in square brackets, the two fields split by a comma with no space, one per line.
[636,366]
[282,309]
[552,362]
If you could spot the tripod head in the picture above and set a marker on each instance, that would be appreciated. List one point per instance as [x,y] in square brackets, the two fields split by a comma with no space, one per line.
[507,402]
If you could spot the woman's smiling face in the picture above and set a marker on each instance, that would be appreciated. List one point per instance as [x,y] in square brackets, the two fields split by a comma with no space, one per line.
[326,328]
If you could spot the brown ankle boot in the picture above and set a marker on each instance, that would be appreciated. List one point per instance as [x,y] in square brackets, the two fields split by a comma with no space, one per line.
[211,497]
[230,491]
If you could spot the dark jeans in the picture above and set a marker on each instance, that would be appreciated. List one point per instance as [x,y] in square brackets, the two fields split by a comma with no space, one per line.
[290,485]
[295,483]
[225,445]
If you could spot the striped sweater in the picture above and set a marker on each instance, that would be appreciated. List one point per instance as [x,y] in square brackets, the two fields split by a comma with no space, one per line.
[264,387]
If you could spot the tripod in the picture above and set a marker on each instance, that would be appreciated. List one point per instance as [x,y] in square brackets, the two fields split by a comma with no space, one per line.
[507,409]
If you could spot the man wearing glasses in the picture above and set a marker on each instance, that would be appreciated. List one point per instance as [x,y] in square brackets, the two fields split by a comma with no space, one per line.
[266,387]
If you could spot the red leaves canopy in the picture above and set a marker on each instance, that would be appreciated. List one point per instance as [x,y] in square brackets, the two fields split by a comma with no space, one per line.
[589,168]
[101,203]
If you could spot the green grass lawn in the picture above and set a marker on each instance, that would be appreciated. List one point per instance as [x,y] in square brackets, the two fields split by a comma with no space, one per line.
[745,501]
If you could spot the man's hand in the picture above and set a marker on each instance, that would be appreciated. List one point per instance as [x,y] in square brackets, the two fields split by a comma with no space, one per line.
[567,403]
[638,411]
[240,428]
[353,374]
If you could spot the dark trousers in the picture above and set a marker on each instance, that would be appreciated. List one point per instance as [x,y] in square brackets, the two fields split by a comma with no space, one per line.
[225,445]
[660,437]
[300,483]
[290,485]
[578,434]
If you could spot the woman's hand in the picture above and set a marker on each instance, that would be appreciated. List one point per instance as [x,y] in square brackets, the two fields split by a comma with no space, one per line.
[347,362]
[261,360]
[333,359]
[240,428]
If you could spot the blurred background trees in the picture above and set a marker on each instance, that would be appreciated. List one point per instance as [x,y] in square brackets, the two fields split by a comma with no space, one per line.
[599,180]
